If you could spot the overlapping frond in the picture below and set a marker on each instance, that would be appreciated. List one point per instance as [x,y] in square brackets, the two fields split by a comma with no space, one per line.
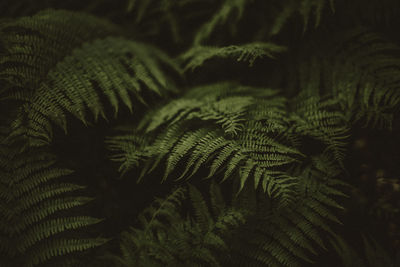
[197,55]
[294,234]
[305,8]
[35,200]
[169,238]
[360,69]
[227,9]
[33,45]
[262,144]
[320,120]
[113,68]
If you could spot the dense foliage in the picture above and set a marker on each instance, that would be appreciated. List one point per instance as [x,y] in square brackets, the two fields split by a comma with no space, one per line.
[199,133]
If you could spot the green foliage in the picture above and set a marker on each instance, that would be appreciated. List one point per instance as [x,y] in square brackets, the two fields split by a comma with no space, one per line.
[280,138]
[168,238]
[34,45]
[197,55]
[304,8]
[32,188]
[259,137]
[360,68]
[113,67]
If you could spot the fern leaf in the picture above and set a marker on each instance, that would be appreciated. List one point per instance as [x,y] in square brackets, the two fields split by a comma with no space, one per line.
[220,17]
[202,215]
[304,8]
[34,45]
[113,67]
[30,188]
[196,56]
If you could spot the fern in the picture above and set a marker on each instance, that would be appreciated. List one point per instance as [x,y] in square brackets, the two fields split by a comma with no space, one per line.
[168,238]
[197,55]
[304,8]
[220,17]
[114,67]
[263,150]
[34,45]
[29,190]
[289,236]
[361,75]
[282,137]
[372,254]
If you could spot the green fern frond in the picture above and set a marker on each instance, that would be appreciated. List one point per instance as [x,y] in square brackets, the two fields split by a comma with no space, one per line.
[217,201]
[304,8]
[263,149]
[170,238]
[197,55]
[359,68]
[163,209]
[291,235]
[114,68]
[29,190]
[34,45]
[201,212]
[222,106]
[320,120]
[226,10]
[129,150]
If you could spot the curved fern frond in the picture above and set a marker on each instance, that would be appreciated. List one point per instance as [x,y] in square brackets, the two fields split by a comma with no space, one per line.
[360,69]
[32,189]
[292,235]
[34,45]
[304,8]
[226,10]
[320,120]
[111,68]
[170,238]
[266,146]
[197,55]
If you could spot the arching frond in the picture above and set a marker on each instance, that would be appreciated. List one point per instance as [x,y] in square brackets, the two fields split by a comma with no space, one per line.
[111,68]
[31,187]
[226,10]
[290,235]
[171,238]
[267,145]
[197,55]
[314,118]
[359,68]
[304,8]
[34,45]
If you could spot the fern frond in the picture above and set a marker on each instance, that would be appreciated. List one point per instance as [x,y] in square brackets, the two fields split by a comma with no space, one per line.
[217,201]
[304,8]
[114,68]
[358,67]
[202,215]
[314,118]
[34,45]
[163,209]
[129,150]
[170,238]
[31,189]
[226,10]
[261,150]
[197,55]
[286,236]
